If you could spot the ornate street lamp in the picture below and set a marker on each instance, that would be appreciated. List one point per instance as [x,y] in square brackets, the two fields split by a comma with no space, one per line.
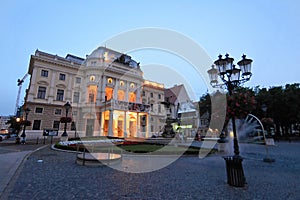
[232,77]
[23,135]
[67,107]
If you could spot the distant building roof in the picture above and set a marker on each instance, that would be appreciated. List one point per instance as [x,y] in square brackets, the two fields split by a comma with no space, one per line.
[176,93]
[74,58]
[110,55]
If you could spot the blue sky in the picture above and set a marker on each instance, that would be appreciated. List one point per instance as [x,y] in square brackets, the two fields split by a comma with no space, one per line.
[266,31]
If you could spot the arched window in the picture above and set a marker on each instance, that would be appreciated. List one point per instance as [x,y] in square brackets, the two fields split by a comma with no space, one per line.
[132,97]
[121,95]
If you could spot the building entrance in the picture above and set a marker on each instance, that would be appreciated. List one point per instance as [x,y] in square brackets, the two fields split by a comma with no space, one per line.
[90,127]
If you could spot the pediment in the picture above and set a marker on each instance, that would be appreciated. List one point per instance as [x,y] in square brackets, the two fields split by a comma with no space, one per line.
[43,83]
[61,86]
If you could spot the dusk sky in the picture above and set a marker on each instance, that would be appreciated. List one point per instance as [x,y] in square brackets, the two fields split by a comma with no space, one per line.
[267,31]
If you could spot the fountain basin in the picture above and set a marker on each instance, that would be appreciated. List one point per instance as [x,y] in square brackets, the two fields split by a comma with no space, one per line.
[98,159]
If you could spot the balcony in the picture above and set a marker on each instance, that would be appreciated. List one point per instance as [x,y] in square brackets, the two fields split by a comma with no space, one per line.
[126,106]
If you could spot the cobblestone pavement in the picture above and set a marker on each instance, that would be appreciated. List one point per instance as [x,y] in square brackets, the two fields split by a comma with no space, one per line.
[58,177]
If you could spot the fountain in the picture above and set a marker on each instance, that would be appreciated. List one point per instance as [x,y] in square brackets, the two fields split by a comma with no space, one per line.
[168,128]
[251,130]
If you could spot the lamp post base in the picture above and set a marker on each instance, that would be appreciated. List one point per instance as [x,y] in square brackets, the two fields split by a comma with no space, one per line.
[235,172]
[64,138]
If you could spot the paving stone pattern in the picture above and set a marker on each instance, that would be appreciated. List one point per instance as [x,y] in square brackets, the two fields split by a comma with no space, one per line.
[58,177]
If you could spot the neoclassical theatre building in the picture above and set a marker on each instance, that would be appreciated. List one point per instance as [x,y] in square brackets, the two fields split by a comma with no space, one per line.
[106,90]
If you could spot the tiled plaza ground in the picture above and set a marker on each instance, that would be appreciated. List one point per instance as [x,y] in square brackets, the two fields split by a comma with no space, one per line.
[58,177]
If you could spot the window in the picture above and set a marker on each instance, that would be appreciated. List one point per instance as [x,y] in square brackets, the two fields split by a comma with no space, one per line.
[74,113]
[73,126]
[143,93]
[109,93]
[41,92]
[159,96]
[159,108]
[151,107]
[78,80]
[44,73]
[60,95]
[56,125]
[151,128]
[92,93]
[151,94]
[92,78]
[109,81]
[91,97]
[76,97]
[36,125]
[38,110]
[132,85]
[57,111]
[122,83]
[121,95]
[62,77]
[132,97]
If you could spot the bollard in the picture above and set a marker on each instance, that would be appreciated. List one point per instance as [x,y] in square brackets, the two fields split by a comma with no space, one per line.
[37,140]
[235,172]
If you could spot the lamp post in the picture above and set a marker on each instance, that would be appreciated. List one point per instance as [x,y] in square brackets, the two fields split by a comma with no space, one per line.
[23,135]
[67,107]
[232,77]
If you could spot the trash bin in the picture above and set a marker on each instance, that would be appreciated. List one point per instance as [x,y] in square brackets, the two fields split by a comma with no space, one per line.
[235,172]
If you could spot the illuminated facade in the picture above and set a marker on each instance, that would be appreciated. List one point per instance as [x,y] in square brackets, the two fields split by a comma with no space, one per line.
[108,94]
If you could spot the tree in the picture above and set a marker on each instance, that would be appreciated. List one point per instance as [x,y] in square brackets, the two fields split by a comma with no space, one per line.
[15,125]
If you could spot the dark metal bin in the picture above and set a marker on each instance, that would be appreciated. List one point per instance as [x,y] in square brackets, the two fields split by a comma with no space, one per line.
[235,172]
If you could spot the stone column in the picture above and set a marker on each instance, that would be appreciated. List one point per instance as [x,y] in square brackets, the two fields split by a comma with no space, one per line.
[33,90]
[116,87]
[69,88]
[98,98]
[125,124]
[110,123]
[127,92]
[52,86]
[138,94]
[137,124]
[103,86]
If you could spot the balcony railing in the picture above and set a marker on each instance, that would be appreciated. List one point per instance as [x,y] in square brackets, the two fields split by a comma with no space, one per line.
[127,106]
